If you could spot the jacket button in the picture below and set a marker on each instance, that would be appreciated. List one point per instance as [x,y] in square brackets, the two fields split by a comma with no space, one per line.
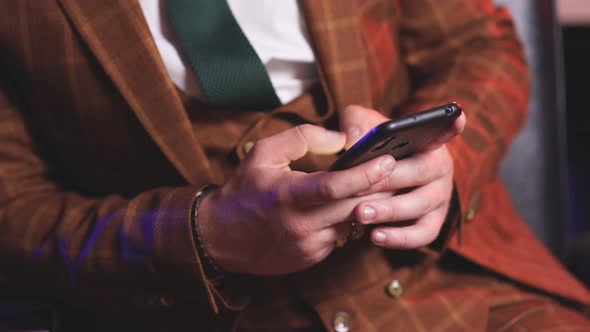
[394,288]
[341,322]
[473,207]
[248,146]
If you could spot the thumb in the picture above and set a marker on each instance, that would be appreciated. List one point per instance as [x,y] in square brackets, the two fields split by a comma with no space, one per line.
[279,150]
[356,121]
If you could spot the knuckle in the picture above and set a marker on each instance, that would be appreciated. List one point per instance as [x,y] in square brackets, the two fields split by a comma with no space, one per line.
[422,173]
[301,130]
[300,135]
[445,195]
[318,256]
[404,241]
[440,195]
[428,201]
[376,174]
[327,189]
[386,183]
[298,231]
[371,177]
[432,231]
[312,257]
[307,256]
[401,240]
[435,202]
[420,206]
[389,211]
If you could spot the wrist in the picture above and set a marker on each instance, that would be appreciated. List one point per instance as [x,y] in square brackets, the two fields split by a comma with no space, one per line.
[211,269]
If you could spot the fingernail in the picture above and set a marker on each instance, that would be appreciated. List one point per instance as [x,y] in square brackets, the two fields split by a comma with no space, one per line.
[387,164]
[379,237]
[369,213]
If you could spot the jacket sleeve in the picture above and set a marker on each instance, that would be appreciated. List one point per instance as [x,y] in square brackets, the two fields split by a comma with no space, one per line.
[110,252]
[467,51]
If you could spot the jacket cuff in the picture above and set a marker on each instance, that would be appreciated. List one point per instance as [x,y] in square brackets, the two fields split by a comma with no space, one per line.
[176,254]
[223,289]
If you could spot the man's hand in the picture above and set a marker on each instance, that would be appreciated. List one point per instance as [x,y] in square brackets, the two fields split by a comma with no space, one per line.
[270,220]
[427,175]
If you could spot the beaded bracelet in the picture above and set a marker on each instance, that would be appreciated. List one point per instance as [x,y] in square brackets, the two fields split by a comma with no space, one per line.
[212,270]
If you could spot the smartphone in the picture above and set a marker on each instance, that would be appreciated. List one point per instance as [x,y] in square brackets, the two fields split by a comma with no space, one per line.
[400,137]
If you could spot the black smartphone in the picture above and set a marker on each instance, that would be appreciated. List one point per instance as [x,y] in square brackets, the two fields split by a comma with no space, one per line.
[400,137]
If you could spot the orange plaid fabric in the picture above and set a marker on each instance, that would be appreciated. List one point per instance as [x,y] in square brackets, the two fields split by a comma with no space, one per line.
[100,159]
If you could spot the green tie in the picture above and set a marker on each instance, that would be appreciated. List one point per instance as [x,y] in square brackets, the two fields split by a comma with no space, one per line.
[228,68]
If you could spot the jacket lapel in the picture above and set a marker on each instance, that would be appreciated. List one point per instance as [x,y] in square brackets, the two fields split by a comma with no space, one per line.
[116,33]
[334,31]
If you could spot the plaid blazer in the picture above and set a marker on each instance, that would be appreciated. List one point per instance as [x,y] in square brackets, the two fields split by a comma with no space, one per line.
[100,158]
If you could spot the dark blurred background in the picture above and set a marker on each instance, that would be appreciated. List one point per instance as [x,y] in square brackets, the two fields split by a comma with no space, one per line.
[574,18]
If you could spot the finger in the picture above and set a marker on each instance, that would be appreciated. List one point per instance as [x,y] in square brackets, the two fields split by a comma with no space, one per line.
[417,170]
[413,205]
[356,121]
[333,234]
[327,215]
[320,244]
[420,234]
[455,129]
[320,187]
[280,149]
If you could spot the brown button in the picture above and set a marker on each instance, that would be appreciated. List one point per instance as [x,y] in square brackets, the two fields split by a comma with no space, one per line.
[248,146]
[341,322]
[394,288]
[473,207]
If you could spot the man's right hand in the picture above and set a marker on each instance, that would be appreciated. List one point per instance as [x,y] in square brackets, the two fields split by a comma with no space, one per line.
[270,220]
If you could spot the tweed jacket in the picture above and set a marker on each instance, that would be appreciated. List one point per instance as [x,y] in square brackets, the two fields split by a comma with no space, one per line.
[100,156]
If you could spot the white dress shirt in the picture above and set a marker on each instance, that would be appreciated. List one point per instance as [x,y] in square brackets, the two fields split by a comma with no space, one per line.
[275,29]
